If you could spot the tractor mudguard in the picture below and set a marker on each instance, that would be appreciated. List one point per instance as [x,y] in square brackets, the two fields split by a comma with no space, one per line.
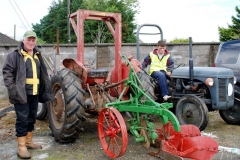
[78,67]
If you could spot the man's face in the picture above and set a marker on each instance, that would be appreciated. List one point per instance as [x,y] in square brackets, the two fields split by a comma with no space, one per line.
[161,49]
[29,43]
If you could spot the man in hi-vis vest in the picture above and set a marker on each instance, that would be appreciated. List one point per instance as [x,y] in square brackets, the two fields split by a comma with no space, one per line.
[161,65]
[26,78]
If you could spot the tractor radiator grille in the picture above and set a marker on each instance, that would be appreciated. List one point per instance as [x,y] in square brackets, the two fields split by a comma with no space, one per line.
[223,89]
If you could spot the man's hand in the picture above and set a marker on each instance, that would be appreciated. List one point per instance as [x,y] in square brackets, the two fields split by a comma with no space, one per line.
[169,74]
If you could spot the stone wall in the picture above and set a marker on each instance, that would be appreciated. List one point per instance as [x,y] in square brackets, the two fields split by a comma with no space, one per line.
[102,55]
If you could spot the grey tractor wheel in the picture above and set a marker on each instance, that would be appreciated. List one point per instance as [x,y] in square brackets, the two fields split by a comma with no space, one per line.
[42,111]
[148,85]
[66,111]
[191,109]
[232,115]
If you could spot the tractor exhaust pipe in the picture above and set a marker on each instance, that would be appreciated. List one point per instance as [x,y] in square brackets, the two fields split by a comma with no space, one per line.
[191,73]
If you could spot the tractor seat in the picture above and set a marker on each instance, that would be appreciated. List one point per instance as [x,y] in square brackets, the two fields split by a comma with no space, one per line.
[101,72]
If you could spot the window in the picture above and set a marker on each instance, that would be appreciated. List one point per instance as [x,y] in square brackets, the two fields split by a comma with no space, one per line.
[229,53]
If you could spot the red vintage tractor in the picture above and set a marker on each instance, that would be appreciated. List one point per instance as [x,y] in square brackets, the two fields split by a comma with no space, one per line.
[81,93]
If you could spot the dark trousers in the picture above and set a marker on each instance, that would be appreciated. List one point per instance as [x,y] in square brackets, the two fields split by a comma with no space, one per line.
[162,81]
[26,115]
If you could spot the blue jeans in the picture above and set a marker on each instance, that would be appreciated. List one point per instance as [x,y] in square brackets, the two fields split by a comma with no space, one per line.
[162,82]
[26,115]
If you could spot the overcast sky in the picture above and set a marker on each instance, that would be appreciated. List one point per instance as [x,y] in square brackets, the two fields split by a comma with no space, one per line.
[198,19]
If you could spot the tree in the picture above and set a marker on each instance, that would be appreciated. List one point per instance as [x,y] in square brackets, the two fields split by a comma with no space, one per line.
[180,40]
[233,31]
[95,31]
[225,34]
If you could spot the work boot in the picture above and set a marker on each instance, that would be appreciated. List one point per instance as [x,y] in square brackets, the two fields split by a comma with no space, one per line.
[22,149]
[30,144]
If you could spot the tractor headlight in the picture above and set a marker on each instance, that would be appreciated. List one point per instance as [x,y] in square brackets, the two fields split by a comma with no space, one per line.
[209,82]
[230,89]
[235,80]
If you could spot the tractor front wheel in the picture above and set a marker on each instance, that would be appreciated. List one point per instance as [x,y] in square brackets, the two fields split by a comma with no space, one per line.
[112,132]
[232,115]
[191,109]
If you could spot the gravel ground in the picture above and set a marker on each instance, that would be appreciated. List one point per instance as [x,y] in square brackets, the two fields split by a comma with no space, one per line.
[88,147]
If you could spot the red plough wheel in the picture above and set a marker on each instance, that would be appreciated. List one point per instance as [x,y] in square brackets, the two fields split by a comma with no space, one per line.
[112,132]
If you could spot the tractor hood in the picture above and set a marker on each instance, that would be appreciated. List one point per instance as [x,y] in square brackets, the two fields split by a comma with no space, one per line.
[214,72]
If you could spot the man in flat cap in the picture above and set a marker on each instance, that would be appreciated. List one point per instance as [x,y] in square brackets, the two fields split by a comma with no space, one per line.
[26,78]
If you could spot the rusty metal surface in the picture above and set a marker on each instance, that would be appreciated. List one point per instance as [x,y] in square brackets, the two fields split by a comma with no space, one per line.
[144,133]
[78,67]
[57,109]
[77,20]
[165,155]
[186,144]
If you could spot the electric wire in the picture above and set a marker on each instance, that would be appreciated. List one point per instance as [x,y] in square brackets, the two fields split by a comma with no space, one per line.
[24,19]
[18,15]
[22,14]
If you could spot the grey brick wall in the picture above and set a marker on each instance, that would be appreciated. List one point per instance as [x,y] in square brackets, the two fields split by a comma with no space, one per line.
[102,55]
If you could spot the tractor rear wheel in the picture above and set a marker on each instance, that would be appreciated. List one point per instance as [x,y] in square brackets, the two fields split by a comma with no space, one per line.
[232,115]
[191,109]
[148,84]
[67,109]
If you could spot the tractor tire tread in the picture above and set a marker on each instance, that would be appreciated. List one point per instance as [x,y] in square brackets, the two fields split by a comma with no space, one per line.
[203,115]
[147,85]
[73,108]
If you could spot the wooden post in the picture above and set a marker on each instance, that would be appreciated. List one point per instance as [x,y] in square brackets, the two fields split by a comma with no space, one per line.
[57,41]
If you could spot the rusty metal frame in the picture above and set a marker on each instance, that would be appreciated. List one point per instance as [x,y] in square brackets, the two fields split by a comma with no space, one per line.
[77,20]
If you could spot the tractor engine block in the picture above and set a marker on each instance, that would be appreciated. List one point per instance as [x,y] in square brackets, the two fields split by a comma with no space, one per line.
[96,98]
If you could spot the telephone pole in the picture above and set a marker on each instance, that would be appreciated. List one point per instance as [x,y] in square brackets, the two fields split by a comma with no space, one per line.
[68,10]
[15,32]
